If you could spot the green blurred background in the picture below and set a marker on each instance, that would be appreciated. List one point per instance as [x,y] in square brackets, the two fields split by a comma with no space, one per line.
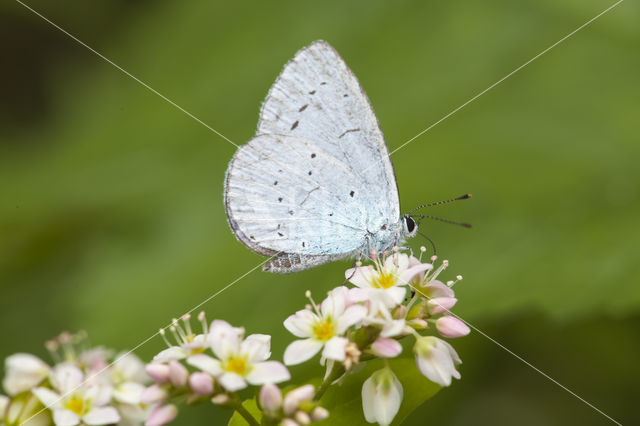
[111,215]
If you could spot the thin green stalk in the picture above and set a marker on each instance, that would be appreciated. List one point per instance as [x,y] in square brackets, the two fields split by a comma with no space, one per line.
[246,414]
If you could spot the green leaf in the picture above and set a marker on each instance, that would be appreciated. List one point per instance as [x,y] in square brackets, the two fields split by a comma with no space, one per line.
[252,407]
[344,400]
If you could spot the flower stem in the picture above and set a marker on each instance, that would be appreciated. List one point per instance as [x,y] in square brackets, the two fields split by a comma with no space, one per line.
[337,370]
[245,413]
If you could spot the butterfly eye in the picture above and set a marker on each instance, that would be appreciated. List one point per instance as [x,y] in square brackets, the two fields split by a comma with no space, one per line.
[411,224]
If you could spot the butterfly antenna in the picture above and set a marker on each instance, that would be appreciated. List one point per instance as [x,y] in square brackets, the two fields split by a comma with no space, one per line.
[433,246]
[439,219]
[462,197]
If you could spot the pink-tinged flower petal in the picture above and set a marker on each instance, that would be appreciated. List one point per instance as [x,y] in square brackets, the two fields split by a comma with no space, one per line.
[333,306]
[270,397]
[232,382]
[386,348]
[206,363]
[361,276]
[436,288]
[49,398]
[451,327]
[301,350]
[174,353]
[201,383]
[301,323]
[440,305]
[406,276]
[159,373]
[154,394]
[257,347]
[356,295]
[101,416]
[334,348]
[353,315]
[297,396]
[128,393]
[67,377]
[178,374]
[268,372]
[225,340]
[65,418]
[162,415]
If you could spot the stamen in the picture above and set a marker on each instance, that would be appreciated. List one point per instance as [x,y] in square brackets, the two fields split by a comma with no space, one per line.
[315,307]
[186,319]
[52,346]
[451,283]
[172,329]
[176,327]
[423,249]
[202,317]
[164,337]
[358,263]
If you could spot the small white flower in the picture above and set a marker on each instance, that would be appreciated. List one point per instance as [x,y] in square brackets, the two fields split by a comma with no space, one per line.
[23,372]
[436,360]
[381,397]
[323,327]
[388,279]
[189,343]
[128,376]
[239,361]
[73,402]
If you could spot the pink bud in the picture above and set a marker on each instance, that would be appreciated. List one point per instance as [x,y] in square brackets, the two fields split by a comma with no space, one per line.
[270,397]
[162,415]
[451,327]
[201,383]
[177,374]
[440,305]
[158,372]
[385,347]
[153,394]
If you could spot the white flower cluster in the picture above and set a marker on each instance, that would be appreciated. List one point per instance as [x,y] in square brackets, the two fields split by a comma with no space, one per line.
[184,368]
[85,386]
[357,324]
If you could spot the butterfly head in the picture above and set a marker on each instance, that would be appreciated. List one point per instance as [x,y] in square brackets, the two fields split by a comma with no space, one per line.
[409,226]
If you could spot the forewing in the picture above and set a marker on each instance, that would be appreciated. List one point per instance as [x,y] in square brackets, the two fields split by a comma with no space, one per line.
[317,98]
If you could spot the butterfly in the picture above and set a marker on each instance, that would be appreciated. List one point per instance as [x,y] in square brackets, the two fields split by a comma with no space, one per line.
[316,183]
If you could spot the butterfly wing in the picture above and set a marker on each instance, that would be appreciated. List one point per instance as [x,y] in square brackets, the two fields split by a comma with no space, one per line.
[317,178]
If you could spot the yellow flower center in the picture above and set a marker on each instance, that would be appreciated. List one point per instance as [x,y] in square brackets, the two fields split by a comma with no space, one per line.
[237,365]
[323,330]
[386,281]
[76,405]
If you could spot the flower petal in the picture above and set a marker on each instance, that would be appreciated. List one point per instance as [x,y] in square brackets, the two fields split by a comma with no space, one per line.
[333,306]
[268,372]
[301,323]
[224,339]
[65,418]
[351,316]
[361,276]
[67,377]
[49,398]
[205,363]
[297,396]
[232,382]
[335,348]
[129,392]
[301,350]
[174,353]
[256,347]
[101,416]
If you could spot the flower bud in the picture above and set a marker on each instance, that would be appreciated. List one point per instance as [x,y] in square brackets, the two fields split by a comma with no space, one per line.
[302,418]
[381,397]
[319,413]
[270,397]
[436,360]
[296,397]
[289,422]
[440,305]
[178,374]
[220,399]
[162,415]
[386,348]
[451,327]
[159,373]
[201,383]
[154,394]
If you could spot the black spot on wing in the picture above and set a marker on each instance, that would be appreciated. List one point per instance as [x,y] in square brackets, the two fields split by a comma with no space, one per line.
[279,199]
[281,234]
[352,194]
[303,107]
[294,125]
[313,92]
[313,155]
[309,172]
